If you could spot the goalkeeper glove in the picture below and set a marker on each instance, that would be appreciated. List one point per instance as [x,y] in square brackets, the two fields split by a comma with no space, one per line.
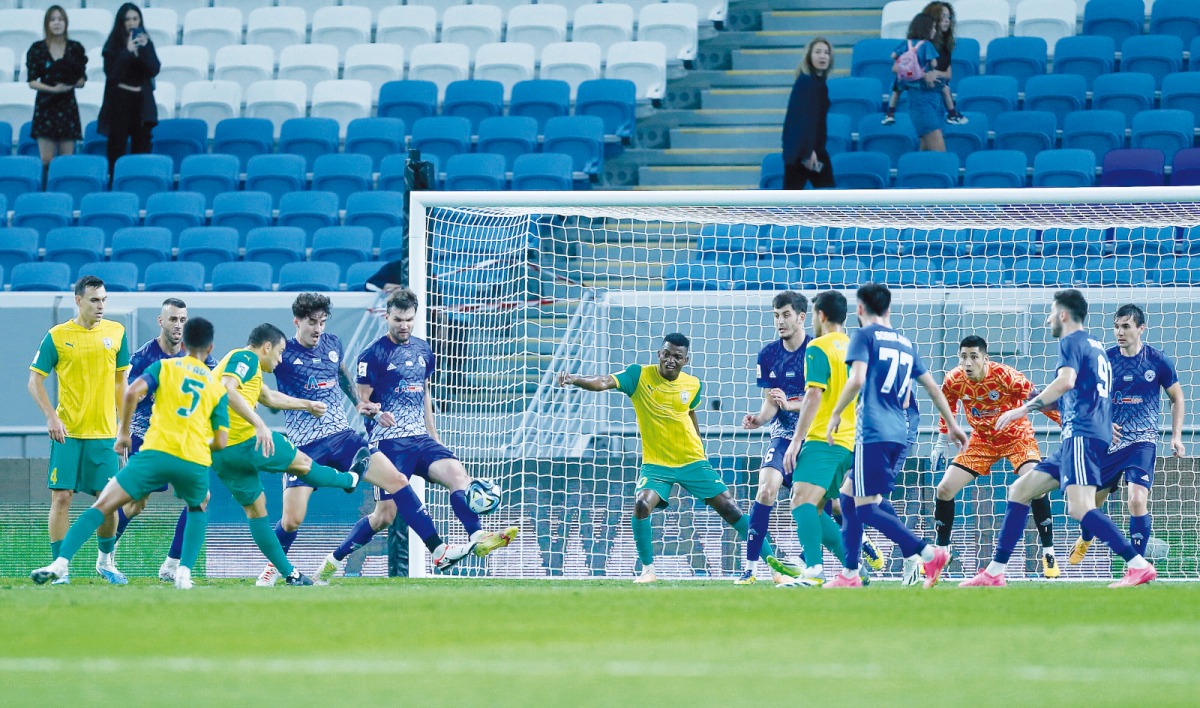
[940,456]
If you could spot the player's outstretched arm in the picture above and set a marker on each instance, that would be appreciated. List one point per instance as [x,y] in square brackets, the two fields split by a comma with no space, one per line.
[953,431]
[767,411]
[283,402]
[1063,382]
[1175,393]
[37,389]
[587,383]
[854,384]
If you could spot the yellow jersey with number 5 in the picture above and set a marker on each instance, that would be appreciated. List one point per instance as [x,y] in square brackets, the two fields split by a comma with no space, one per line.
[189,406]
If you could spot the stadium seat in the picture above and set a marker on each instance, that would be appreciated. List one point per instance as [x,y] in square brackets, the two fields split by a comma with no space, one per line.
[1176,270]
[16,103]
[276,175]
[643,63]
[697,276]
[770,174]
[927,170]
[206,246]
[407,26]
[276,101]
[603,25]
[796,240]
[511,137]
[1166,130]
[244,64]
[547,171]
[996,169]
[93,142]
[1006,243]
[1019,57]
[343,100]
[964,62]
[209,175]
[768,272]
[1185,168]
[1144,240]
[1135,167]
[1084,55]
[982,20]
[1036,271]
[1181,91]
[375,211]
[838,135]
[1048,20]
[1115,19]
[242,211]
[976,273]
[862,170]
[77,175]
[308,211]
[872,58]
[174,277]
[965,139]
[731,244]
[211,102]
[275,245]
[183,64]
[89,99]
[162,23]
[537,26]
[360,273]
[17,246]
[1059,94]
[276,27]
[571,62]
[248,276]
[376,64]
[1154,54]
[904,271]
[1180,18]
[1129,93]
[181,7]
[308,138]
[1096,130]
[1030,132]
[53,277]
[74,246]
[212,27]
[343,27]
[541,99]
[342,175]
[108,211]
[393,244]
[674,25]
[1113,271]
[612,100]
[408,101]
[243,138]
[309,64]
[1064,168]
[375,137]
[990,95]
[581,137]
[891,140]
[175,211]
[855,97]
[42,211]
[1072,242]
[442,63]
[475,172]
[836,272]
[142,246]
[143,175]
[318,276]
[343,246]
[392,172]
[472,25]
[20,174]
[442,136]
[1190,237]
[866,241]
[179,137]
[474,100]
[896,17]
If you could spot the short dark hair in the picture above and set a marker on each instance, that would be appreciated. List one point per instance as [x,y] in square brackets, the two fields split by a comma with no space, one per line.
[402,299]
[175,302]
[798,302]
[921,27]
[833,305]
[263,333]
[974,341]
[308,304]
[1131,310]
[678,340]
[875,297]
[85,282]
[197,333]
[1073,302]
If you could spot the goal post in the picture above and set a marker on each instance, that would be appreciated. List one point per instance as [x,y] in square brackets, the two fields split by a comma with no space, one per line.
[521,285]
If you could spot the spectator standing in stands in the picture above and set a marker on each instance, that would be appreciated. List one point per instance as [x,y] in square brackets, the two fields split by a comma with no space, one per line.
[924,92]
[56,67]
[944,43]
[128,113]
[805,159]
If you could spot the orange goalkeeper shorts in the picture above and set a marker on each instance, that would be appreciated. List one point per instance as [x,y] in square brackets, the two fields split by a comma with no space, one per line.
[978,458]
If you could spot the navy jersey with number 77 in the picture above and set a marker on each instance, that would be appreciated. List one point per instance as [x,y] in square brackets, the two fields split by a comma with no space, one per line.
[892,365]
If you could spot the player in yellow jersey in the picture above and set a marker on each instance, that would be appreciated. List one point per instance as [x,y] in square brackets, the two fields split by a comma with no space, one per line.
[91,357]
[188,420]
[665,400]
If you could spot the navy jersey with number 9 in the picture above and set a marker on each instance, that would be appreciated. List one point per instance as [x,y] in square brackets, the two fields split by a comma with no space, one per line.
[1087,408]
[892,365]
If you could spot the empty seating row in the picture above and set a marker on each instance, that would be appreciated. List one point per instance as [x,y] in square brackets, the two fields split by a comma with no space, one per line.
[192,276]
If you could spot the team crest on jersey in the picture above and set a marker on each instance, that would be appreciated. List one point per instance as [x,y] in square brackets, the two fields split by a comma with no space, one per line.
[420,361]
[683,396]
[994,395]
[1150,375]
[333,356]
[107,343]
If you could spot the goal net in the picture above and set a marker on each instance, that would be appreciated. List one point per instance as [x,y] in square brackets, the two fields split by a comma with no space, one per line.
[520,286]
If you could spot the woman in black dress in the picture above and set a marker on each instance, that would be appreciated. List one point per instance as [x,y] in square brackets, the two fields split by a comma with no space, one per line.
[128,112]
[56,67]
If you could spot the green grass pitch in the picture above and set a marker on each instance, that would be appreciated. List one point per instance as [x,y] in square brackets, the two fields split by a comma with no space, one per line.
[550,643]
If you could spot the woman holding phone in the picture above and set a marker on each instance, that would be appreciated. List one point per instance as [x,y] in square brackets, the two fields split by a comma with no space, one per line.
[129,112]
[57,66]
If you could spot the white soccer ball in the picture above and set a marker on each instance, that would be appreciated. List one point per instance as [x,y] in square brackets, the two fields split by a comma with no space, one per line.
[483,496]
[1157,549]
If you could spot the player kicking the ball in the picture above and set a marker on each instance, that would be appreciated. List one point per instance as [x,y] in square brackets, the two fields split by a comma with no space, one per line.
[1082,391]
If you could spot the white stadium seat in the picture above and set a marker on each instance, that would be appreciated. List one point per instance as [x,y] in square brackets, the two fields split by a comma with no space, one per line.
[8,64]
[183,64]
[472,25]
[212,28]
[19,29]
[343,27]
[506,6]
[95,65]
[276,101]
[635,5]
[16,104]
[310,7]
[164,99]
[110,5]
[572,62]
[245,6]
[376,64]
[673,24]
[309,63]
[604,25]
[276,27]
[161,23]
[342,101]
[244,64]
[181,7]
[91,27]
[89,99]
[1049,19]
[407,26]
[375,6]
[982,20]
[896,17]
[506,63]
[643,63]
[711,10]
[538,25]
[439,6]
[441,63]
[211,102]
[573,5]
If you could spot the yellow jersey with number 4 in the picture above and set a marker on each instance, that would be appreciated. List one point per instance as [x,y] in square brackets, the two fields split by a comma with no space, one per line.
[87,361]
[242,364]
[190,404]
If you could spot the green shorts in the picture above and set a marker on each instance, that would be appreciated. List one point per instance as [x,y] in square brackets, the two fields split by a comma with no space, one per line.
[82,465]
[149,470]
[823,465]
[698,478]
[238,466]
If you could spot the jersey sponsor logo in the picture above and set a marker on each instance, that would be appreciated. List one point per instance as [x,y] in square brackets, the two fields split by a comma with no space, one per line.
[1128,377]
[69,344]
[1130,400]
[1150,375]
[411,388]
[333,356]
[242,370]
[315,384]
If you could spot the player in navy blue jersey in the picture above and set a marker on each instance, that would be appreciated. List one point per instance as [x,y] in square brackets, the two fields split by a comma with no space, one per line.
[167,345]
[393,379]
[883,365]
[1138,372]
[1082,390]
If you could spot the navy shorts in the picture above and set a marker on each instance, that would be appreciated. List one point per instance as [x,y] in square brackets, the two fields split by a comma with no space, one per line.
[135,444]
[876,466]
[773,458]
[1133,462]
[336,451]
[1076,462]
[412,456]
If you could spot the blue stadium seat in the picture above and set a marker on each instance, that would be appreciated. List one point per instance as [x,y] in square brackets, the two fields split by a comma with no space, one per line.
[6,138]
[306,277]
[27,145]
[838,134]
[309,138]
[244,138]
[1096,130]
[1088,56]
[729,243]
[182,276]
[613,101]
[391,244]
[540,99]
[118,277]
[209,175]
[360,273]
[179,137]
[891,140]
[93,142]
[581,137]
[1005,243]
[1185,168]
[142,246]
[42,211]
[964,62]
[1052,272]
[1177,270]
[975,273]
[866,241]
[510,136]
[77,175]
[475,172]
[796,240]
[862,170]
[1154,54]
[936,243]
[1191,240]
[1064,168]
[1181,91]
[1019,57]
[442,136]
[768,273]
[991,95]
[904,271]
[208,246]
[242,211]
[391,173]
[771,171]
[175,211]
[836,272]
[966,139]
[1072,242]
[342,246]
[109,211]
[375,211]
[549,171]
[1110,271]
[1143,240]
[143,175]
[276,175]
[697,276]
[996,169]
[1180,18]
[19,174]
[1128,93]
[275,245]
[1030,132]
[409,101]
[1059,94]
[1166,130]
[308,211]
[1116,19]
[474,100]
[17,246]
[54,277]
[1135,167]
[342,174]
[375,137]
[855,97]
[873,58]
[74,246]
[927,170]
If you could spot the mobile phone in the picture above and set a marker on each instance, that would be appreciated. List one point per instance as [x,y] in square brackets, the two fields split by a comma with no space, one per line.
[136,32]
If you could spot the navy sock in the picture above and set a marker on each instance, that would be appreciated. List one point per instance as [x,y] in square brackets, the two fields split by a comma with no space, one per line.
[1015,515]
[852,532]
[1086,535]
[286,538]
[358,537]
[1139,533]
[1104,529]
[122,522]
[413,512]
[890,525]
[760,518]
[176,551]
[469,519]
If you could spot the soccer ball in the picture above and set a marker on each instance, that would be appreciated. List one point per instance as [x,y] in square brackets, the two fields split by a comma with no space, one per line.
[483,496]
[1157,549]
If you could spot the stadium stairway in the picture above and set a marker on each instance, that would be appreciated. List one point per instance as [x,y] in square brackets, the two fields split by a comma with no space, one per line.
[720,119]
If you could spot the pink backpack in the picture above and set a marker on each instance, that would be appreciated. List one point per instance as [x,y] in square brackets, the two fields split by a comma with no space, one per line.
[908,64]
